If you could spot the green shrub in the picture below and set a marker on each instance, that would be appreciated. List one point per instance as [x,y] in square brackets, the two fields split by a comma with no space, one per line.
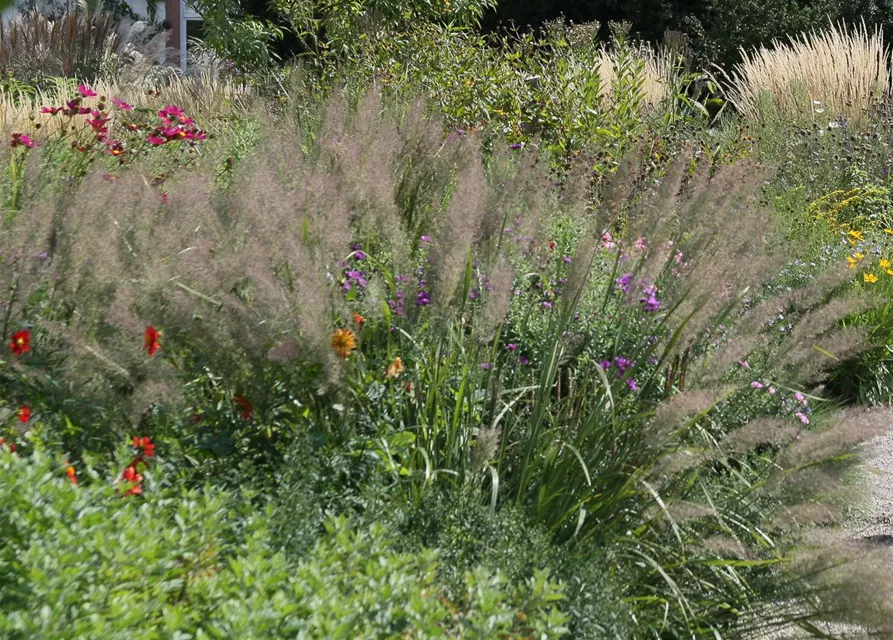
[85,562]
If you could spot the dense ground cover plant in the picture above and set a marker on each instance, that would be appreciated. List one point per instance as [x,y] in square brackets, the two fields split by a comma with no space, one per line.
[403,325]
[92,563]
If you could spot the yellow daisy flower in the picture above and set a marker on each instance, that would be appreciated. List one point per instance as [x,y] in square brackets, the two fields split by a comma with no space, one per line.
[870,278]
[883,264]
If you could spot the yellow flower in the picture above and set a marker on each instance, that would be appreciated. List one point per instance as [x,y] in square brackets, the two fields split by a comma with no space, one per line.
[395,368]
[343,342]
[855,235]
[870,278]
[858,255]
[883,264]
[889,232]
[890,272]
[852,262]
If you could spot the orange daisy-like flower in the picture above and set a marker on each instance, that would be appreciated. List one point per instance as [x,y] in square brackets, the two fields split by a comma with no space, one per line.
[395,368]
[72,474]
[150,342]
[344,342]
[24,413]
[20,342]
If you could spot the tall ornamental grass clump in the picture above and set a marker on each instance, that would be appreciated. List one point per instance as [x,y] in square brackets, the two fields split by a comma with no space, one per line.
[618,367]
[841,71]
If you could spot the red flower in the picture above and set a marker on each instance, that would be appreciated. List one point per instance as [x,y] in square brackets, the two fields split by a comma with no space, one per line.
[21,140]
[20,342]
[150,342]
[86,91]
[10,445]
[24,413]
[145,445]
[551,245]
[132,476]
[72,474]
[245,404]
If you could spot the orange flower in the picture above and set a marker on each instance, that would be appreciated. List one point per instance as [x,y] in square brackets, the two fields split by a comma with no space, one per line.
[395,368]
[24,413]
[150,343]
[358,319]
[72,474]
[344,342]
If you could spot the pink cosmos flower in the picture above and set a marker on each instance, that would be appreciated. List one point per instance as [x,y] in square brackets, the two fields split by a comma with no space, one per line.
[156,141]
[86,91]
[21,140]
[123,106]
[51,110]
[171,113]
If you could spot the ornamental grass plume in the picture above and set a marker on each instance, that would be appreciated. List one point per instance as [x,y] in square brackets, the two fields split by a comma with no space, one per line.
[839,71]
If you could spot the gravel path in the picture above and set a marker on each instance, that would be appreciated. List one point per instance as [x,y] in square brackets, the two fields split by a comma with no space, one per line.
[871,523]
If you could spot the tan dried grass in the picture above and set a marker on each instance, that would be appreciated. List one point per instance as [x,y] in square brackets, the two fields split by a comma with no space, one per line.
[841,71]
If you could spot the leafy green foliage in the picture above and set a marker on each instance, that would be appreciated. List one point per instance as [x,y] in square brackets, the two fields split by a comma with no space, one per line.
[81,561]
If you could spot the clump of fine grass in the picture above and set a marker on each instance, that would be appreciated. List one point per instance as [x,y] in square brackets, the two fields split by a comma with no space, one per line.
[841,71]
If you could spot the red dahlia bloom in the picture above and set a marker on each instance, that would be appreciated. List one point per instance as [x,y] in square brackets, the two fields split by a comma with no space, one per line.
[245,404]
[132,476]
[150,342]
[145,445]
[20,342]
[24,413]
